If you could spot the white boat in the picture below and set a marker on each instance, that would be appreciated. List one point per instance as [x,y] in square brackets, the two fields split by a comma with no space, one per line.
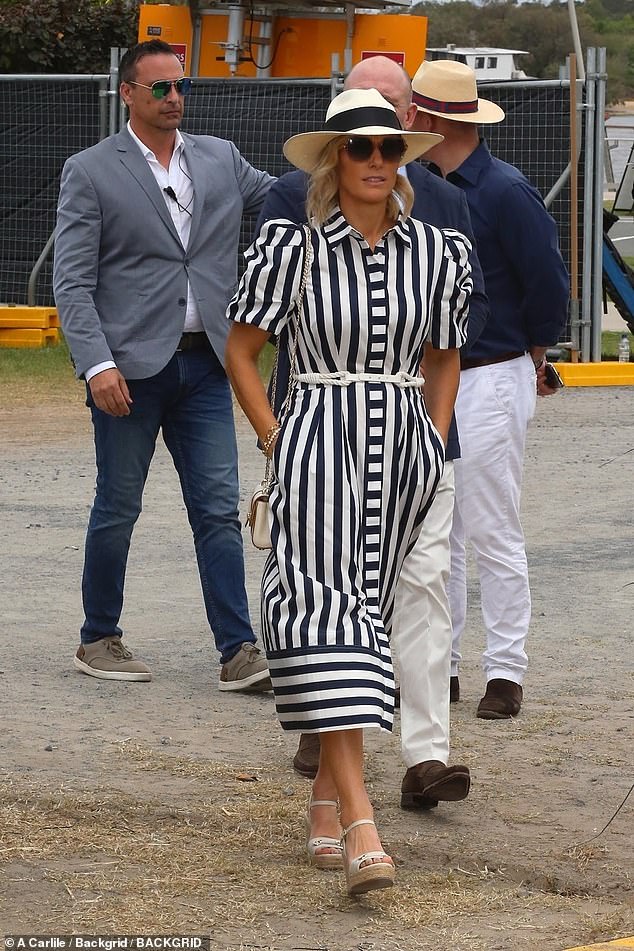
[488,62]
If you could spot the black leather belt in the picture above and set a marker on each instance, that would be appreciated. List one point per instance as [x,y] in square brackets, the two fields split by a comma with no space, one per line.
[194,341]
[468,363]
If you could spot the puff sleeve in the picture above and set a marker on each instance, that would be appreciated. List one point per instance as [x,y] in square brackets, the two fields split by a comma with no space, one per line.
[270,283]
[452,291]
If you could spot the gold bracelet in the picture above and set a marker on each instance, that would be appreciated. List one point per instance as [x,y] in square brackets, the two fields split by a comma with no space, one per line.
[269,438]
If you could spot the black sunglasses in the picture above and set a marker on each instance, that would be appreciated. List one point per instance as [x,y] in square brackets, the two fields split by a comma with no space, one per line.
[360,148]
[161,87]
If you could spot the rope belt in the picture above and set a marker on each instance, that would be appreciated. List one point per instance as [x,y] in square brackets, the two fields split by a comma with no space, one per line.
[343,378]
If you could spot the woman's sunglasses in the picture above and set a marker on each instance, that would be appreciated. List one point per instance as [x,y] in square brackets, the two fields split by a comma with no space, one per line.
[161,87]
[360,148]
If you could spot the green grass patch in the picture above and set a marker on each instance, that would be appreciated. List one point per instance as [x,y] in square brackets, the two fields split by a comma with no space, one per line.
[30,374]
[265,361]
[610,343]
[40,374]
[51,364]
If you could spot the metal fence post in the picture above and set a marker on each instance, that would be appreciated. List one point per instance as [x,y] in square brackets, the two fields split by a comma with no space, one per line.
[335,73]
[574,198]
[113,91]
[588,216]
[122,106]
[597,230]
[104,107]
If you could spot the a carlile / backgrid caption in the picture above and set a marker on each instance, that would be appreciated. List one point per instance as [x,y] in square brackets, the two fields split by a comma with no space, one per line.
[79,942]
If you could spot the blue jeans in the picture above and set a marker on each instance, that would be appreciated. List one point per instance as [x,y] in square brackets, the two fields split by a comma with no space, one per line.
[190,401]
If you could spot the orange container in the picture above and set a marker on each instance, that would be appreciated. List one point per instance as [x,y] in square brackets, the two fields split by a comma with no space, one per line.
[303,45]
[173,25]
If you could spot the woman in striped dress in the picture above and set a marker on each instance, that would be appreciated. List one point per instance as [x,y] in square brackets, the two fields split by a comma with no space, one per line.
[358,453]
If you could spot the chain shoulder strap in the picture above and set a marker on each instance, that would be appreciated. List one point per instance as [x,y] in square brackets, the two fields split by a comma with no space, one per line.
[298,306]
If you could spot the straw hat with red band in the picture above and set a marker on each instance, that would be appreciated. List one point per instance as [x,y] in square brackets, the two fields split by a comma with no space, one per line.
[447,88]
[356,112]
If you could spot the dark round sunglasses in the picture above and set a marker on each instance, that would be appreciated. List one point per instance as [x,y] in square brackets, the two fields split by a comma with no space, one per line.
[161,87]
[360,148]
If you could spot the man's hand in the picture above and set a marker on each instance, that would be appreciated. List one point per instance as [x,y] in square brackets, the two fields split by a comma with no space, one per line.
[538,356]
[543,389]
[110,392]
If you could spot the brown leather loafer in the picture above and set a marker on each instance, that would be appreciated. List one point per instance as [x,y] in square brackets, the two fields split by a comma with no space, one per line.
[306,759]
[425,784]
[502,700]
[454,690]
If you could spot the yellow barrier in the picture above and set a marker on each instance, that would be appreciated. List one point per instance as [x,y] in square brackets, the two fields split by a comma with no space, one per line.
[617,945]
[29,337]
[608,373]
[28,326]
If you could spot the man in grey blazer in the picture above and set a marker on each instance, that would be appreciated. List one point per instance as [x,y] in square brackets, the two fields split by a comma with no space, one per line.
[145,263]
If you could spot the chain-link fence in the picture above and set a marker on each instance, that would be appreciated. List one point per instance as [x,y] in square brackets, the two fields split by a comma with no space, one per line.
[43,120]
[258,115]
[535,137]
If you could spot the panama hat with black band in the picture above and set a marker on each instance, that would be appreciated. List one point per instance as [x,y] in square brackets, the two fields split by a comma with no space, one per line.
[356,113]
[446,88]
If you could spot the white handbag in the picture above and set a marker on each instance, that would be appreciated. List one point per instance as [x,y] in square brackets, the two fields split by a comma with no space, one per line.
[259,514]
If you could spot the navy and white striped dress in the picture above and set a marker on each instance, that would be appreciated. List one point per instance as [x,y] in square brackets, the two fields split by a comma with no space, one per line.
[356,465]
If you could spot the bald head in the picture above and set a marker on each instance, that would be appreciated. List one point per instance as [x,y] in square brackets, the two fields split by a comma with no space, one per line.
[391,80]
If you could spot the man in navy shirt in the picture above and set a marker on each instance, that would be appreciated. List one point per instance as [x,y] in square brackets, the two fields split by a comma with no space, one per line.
[528,289]
[422,628]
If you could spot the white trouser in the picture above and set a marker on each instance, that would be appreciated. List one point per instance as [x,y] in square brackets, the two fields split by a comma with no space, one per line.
[494,406]
[421,634]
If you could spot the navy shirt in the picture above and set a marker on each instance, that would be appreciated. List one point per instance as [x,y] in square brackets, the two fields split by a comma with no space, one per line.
[525,277]
[436,202]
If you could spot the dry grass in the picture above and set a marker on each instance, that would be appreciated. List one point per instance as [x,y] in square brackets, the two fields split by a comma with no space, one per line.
[36,376]
[229,850]
[33,376]
[583,855]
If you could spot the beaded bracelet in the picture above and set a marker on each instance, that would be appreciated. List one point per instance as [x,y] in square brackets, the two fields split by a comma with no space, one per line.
[269,438]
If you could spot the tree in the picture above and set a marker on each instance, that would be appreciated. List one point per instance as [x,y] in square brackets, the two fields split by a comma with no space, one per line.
[64,36]
[544,31]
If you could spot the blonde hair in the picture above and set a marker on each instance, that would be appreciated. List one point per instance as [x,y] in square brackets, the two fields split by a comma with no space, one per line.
[323,187]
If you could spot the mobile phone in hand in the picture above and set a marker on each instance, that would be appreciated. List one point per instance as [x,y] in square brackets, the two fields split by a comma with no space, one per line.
[552,378]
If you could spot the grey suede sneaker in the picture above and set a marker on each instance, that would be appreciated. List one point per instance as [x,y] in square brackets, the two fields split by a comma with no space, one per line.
[108,659]
[246,671]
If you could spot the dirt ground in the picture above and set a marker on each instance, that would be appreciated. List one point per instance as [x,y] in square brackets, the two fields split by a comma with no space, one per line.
[170,808]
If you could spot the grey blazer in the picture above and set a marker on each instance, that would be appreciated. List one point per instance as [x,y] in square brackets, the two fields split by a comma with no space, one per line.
[120,272]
